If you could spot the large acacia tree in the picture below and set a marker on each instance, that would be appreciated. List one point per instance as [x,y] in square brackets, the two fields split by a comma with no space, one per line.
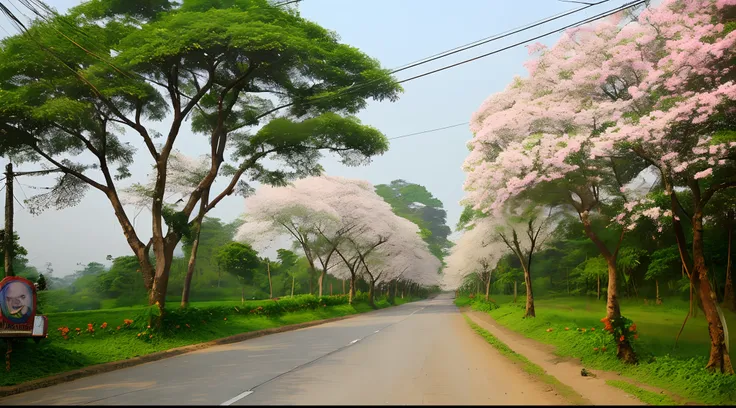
[255,79]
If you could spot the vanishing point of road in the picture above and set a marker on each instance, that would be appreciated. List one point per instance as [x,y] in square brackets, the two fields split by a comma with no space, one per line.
[418,353]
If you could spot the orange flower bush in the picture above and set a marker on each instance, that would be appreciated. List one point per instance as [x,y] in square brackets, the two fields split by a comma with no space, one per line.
[621,328]
[103,326]
[64,331]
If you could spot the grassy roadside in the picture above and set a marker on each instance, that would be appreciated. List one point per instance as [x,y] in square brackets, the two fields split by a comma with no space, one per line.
[111,339]
[527,365]
[651,398]
[680,371]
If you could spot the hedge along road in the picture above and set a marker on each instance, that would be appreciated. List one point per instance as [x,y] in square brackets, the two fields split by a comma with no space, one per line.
[418,353]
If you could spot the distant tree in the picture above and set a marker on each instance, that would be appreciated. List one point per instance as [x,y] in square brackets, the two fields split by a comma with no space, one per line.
[41,282]
[211,236]
[415,203]
[18,251]
[239,260]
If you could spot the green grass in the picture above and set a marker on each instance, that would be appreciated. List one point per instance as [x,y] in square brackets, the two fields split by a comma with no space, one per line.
[648,397]
[527,365]
[679,370]
[207,322]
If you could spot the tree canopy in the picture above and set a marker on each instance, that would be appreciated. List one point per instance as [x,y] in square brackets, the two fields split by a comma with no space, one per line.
[415,203]
[257,80]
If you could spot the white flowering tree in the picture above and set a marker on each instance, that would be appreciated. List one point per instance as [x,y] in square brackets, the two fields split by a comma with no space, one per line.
[292,210]
[340,223]
[476,252]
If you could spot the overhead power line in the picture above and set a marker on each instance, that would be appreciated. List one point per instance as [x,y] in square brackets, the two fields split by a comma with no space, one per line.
[585,21]
[428,131]
[455,50]
[494,37]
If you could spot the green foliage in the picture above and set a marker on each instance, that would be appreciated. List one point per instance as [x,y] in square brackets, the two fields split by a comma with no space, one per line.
[648,397]
[664,261]
[178,221]
[238,259]
[41,283]
[416,204]
[482,305]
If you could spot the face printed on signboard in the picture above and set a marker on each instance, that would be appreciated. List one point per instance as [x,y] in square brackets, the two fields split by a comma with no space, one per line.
[16,301]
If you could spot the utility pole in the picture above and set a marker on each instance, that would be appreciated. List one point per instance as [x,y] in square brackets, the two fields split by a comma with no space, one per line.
[8,241]
[9,197]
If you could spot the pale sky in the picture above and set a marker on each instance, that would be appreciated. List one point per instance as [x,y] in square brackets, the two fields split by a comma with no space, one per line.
[396,32]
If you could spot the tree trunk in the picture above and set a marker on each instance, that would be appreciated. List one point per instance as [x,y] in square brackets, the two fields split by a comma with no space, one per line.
[164,251]
[719,358]
[351,294]
[371,291]
[190,270]
[529,295]
[270,285]
[330,288]
[514,290]
[729,299]
[292,285]
[343,286]
[656,284]
[320,282]
[195,247]
[488,288]
[624,352]
[633,285]
[242,295]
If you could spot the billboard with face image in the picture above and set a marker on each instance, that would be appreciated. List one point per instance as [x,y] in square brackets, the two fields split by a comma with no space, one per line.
[17,306]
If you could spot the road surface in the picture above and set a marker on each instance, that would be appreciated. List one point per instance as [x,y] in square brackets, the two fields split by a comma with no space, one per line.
[418,353]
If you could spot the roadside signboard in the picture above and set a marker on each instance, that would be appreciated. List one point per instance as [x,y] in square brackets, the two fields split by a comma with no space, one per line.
[18,309]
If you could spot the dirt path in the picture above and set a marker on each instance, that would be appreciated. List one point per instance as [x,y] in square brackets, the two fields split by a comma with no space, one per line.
[567,371]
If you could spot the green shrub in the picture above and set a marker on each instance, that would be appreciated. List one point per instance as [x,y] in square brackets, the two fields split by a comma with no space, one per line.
[482,305]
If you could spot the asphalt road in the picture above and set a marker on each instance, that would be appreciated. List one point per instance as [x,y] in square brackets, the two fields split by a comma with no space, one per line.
[418,353]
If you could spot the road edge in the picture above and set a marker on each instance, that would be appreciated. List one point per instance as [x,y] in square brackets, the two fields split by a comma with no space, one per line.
[565,391]
[88,371]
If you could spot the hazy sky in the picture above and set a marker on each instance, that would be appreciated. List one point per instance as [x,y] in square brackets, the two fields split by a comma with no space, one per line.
[396,32]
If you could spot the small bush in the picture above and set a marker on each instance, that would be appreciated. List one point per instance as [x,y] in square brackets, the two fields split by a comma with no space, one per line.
[484,306]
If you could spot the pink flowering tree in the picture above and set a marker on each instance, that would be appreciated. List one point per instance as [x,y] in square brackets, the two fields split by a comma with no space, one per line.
[666,88]
[535,141]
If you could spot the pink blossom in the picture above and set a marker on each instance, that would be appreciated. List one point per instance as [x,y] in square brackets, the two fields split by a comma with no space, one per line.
[705,173]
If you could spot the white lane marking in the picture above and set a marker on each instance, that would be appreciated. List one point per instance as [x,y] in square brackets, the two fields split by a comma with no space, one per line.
[237,398]
[354,341]
[376,331]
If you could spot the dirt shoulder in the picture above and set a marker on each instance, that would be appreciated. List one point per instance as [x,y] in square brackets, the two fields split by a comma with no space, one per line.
[566,370]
